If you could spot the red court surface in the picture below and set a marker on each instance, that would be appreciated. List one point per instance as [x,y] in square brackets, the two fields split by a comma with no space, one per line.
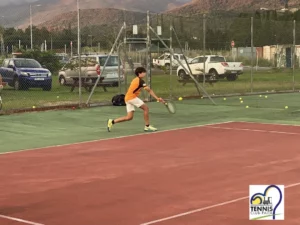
[192,176]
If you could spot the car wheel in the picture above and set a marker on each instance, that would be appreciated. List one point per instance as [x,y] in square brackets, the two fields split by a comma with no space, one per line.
[182,75]
[232,77]
[62,81]
[214,74]
[47,88]
[16,84]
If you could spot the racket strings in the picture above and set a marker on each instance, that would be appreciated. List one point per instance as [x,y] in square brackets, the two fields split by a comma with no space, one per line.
[171,107]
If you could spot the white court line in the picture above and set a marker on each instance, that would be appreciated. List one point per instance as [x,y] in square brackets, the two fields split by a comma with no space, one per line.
[19,220]
[253,130]
[275,124]
[206,208]
[120,137]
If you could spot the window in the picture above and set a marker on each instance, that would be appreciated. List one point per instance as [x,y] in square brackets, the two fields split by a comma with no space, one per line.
[26,63]
[217,59]
[199,60]
[113,60]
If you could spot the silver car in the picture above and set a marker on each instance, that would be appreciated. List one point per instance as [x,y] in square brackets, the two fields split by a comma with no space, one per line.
[91,67]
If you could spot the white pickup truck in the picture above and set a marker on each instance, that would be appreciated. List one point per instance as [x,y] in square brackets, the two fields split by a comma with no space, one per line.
[216,68]
[165,60]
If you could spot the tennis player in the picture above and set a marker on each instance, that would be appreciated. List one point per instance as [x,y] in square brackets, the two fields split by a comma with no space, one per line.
[132,100]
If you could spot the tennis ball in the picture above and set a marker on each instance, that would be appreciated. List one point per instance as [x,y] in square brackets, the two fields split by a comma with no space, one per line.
[247,107]
[260,96]
[57,96]
[286,107]
[224,99]
[266,96]
[240,98]
[180,98]
[242,101]
[33,107]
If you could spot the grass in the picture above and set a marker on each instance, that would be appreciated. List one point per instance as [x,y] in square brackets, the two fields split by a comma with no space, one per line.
[163,85]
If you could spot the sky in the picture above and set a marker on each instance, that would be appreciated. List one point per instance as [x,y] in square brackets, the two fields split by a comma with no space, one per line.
[16,2]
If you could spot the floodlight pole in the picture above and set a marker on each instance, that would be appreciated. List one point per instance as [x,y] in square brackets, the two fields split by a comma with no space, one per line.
[102,71]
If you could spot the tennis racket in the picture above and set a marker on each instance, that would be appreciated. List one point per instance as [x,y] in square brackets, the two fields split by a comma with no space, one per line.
[170,106]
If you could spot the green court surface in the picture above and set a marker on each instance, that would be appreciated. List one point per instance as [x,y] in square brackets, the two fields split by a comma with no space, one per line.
[42,129]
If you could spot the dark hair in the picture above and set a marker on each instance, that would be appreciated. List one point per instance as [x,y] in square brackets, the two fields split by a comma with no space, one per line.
[139,70]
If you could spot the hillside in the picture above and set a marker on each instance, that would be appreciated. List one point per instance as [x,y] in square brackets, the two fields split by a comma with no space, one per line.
[205,6]
[90,17]
[16,12]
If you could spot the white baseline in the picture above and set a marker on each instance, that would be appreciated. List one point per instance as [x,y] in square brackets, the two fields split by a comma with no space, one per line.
[206,208]
[19,220]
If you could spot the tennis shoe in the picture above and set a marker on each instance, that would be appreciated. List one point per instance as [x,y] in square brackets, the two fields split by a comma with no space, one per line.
[150,129]
[109,125]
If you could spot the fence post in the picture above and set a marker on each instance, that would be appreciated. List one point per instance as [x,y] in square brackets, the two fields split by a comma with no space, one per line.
[148,55]
[252,54]
[204,47]
[171,62]
[294,53]
[79,52]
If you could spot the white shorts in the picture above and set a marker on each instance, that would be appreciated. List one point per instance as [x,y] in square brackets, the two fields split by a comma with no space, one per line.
[136,102]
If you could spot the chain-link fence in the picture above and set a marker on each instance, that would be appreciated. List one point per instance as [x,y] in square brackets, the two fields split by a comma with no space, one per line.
[214,54]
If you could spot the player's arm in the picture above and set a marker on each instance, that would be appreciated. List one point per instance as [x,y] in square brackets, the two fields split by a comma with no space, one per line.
[151,92]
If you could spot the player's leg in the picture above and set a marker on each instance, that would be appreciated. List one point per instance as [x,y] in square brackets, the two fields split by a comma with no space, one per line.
[129,116]
[140,104]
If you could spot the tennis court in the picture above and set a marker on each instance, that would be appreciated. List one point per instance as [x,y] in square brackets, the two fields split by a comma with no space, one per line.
[196,170]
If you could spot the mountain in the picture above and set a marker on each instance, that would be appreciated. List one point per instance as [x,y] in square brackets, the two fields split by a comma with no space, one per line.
[16,13]
[91,17]
[205,6]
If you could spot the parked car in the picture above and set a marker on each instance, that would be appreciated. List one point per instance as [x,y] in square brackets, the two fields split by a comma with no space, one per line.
[23,73]
[91,67]
[165,60]
[216,68]
[62,57]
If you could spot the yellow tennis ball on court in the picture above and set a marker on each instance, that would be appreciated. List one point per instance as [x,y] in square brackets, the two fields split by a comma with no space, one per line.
[266,96]
[286,107]
[240,98]
[33,107]
[242,101]
[247,107]
[224,99]
[180,98]
[260,96]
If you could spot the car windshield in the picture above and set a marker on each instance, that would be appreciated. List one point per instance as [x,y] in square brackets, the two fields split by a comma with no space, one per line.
[113,60]
[27,63]
[217,59]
